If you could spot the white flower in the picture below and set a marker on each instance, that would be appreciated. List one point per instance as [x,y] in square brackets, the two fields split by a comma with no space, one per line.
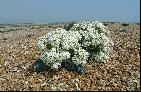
[64,55]
[56,65]
[101,57]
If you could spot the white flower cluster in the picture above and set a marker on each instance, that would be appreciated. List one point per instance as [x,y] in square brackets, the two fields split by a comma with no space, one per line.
[80,56]
[84,40]
[95,39]
[54,57]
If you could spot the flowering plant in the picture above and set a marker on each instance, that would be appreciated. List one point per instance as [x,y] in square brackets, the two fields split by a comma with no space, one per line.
[85,40]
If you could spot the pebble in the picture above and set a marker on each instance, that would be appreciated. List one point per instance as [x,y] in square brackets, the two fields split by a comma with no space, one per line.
[129,67]
[76,84]
[43,84]
[66,86]
[5,64]
[77,80]
[55,77]
[2,79]
[53,88]
[73,81]
[78,89]
[27,52]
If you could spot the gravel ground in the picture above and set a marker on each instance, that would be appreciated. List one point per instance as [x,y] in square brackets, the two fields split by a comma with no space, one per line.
[18,52]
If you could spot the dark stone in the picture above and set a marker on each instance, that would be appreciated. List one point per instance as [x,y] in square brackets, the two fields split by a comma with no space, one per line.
[1,31]
[9,30]
[30,35]
[39,30]
[5,38]
[123,30]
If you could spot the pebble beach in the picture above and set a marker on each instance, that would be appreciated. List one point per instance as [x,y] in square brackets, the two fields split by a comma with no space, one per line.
[18,52]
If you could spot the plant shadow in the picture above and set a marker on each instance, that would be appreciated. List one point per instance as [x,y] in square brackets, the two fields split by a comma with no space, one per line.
[41,68]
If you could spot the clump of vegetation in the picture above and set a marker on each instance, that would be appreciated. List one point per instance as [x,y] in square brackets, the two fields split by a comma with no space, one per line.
[105,24]
[69,26]
[72,48]
[125,24]
[138,23]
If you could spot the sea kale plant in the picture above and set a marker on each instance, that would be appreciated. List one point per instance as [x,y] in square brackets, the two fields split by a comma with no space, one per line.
[84,41]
